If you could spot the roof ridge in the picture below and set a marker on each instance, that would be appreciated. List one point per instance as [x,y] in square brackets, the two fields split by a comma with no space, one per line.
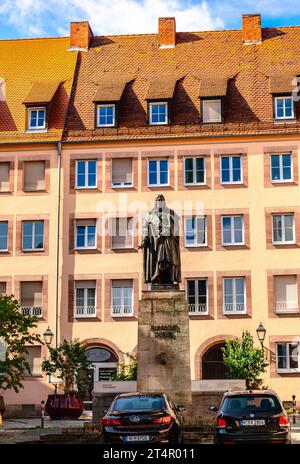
[34,38]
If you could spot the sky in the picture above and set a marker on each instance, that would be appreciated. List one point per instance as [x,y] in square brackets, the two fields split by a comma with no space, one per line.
[50,18]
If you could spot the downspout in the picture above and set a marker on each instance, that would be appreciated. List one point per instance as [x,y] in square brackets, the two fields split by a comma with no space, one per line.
[57,242]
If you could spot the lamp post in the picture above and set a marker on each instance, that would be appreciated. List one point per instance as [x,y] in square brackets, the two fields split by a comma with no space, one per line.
[48,337]
[261,334]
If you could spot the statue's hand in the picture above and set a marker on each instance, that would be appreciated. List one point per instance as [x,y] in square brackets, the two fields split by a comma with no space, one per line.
[144,243]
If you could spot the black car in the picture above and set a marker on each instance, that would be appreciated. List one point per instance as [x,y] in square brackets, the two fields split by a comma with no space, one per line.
[251,417]
[142,418]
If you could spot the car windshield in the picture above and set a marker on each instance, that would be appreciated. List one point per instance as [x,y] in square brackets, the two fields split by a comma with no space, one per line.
[251,404]
[139,403]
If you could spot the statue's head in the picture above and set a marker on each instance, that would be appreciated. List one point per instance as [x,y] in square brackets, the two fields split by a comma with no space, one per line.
[160,201]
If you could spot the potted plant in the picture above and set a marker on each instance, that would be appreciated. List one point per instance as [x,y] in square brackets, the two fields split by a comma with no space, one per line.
[68,363]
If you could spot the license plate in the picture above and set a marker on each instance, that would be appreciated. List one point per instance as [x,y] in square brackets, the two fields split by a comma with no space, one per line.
[137,438]
[253,422]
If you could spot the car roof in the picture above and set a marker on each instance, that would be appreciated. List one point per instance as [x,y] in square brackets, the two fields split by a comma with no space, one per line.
[129,395]
[249,392]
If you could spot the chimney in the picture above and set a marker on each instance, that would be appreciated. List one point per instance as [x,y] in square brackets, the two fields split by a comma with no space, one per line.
[251,31]
[166,32]
[80,35]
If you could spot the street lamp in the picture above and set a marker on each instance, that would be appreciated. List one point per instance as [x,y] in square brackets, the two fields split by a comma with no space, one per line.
[261,334]
[48,337]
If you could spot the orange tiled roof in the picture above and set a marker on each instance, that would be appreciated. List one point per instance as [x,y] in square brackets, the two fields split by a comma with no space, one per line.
[197,57]
[24,63]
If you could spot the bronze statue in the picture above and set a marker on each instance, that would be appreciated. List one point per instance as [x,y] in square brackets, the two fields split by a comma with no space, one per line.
[161,246]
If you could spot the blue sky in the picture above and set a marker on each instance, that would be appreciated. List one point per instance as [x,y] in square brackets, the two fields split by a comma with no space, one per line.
[43,18]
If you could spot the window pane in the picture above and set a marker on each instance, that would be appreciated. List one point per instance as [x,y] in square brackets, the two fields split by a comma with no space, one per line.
[202,285]
[225,174]
[282,356]
[27,234]
[80,236]
[152,172]
[228,290]
[91,296]
[201,226]
[293,355]
[226,229]
[277,229]
[79,297]
[200,170]
[3,235]
[236,169]
[239,289]
[190,231]
[39,234]
[238,229]
[91,236]
[191,291]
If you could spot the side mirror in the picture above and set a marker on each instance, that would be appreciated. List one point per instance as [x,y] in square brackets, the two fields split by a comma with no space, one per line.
[180,408]
[213,408]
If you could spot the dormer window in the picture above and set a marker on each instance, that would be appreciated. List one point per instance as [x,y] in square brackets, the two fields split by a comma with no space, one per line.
[212,110]
[37,118]
[284,107]
[106,115]
[158,113]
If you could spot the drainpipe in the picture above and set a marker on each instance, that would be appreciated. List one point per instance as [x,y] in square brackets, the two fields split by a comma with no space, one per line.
[57,241]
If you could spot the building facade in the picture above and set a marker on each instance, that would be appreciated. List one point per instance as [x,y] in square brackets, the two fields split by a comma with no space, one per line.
[93,132]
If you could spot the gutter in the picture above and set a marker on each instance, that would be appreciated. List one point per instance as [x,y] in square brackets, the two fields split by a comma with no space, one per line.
[57,242]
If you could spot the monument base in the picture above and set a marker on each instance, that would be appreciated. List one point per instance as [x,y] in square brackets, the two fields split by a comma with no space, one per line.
[163,356]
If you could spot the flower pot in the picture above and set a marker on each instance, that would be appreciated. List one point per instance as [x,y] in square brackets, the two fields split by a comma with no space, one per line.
[2,405]
[64,406]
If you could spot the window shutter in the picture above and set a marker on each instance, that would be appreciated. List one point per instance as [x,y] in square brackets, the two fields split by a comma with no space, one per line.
[4,177]
[121,171]
[2,287]
[286,289]
[121,232]
[212,111]
[85,222]
[31,294]
[85,284]
[34,175]
[122,283]
[34,358]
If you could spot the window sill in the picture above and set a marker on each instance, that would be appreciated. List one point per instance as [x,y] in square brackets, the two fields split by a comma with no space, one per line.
[33,250]
[36,131]
[122,186]
[285,121]
[288,371]
[86,188]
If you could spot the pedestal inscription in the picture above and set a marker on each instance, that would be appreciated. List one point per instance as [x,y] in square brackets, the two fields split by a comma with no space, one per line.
[163,356]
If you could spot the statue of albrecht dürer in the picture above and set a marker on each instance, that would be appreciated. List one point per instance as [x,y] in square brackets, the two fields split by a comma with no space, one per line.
[161,245]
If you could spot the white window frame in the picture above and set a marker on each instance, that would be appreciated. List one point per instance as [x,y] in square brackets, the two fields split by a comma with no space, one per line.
[110,105]
[123,185]
[85,247]
[122,314]
[33,236]
[209,100]
[285,306]
[194,158]
[281,180]
[196,279]
[293,108]
[195,245]
[288,369]
[234,295]
[4,250]
[232,243]
[37,128]
[231,181]
[166,105]
[284,242]
[111,234]
[86,186]
[85,298]
[157,160]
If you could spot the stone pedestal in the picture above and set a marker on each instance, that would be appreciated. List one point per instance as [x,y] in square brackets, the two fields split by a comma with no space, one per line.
[163,356]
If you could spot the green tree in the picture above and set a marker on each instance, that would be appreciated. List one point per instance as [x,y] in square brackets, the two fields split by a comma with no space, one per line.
[244,361]
[15,335]
[126,371]
[69,363]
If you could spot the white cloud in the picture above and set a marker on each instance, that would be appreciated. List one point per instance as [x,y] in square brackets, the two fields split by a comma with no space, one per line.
[52,17]
[40,17]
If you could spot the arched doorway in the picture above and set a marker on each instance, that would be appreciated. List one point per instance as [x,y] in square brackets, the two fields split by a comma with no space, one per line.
[213,366]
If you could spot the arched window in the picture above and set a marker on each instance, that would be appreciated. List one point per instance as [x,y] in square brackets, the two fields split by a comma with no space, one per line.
[104,362]
[213,366]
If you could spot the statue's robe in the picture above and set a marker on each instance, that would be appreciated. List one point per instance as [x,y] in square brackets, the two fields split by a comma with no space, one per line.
[161,247]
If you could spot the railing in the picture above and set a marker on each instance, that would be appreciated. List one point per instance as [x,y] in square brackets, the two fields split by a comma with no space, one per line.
[121,311]
[85,311]
[282,307]
[198,308]
[36,311]
[233,308]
